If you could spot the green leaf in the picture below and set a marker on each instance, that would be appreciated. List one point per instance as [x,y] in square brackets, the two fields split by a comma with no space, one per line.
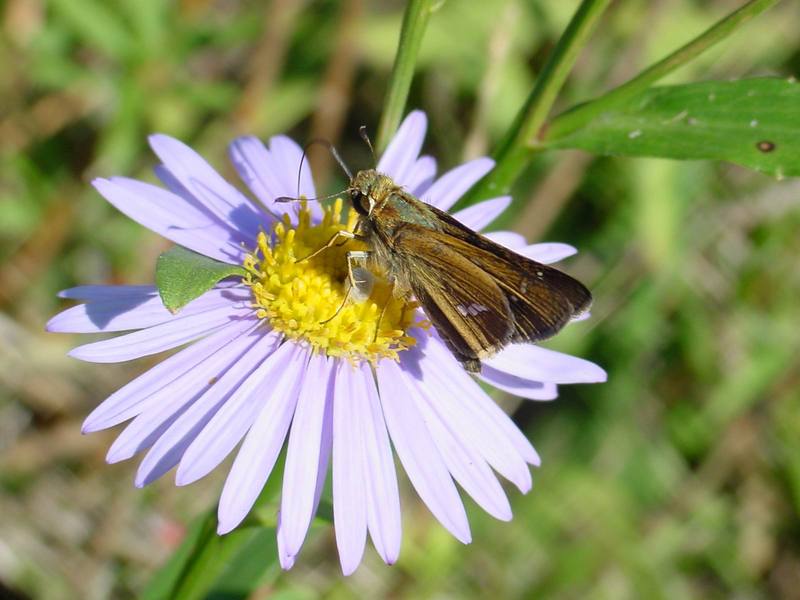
[751,122]
[183,275]
[211,566]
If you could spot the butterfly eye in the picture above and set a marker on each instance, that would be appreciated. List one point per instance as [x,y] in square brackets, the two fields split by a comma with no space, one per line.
[357,198]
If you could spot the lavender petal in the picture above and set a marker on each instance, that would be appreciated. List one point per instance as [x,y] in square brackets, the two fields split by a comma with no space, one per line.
[421,175]
[524,388]
[465,463]
[136,312]
[535,363]
[509,239]
[480,215]
[475,414]
[227,427]
[548,252]
[285,558]
[383,498]
[259,452]
[401,154]
[170,447]
[457,394]
[97,293]
[418,453]
[168,403]
[166,214]
[159,337]
[349,463]
[272,173]
[303,465]
[447,190]
[128,401]
[210,189]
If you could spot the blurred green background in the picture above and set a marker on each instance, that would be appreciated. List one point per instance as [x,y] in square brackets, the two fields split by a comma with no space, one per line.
[679,478]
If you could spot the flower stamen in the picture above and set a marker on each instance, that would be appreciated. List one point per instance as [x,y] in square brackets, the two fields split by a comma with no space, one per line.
[300,283]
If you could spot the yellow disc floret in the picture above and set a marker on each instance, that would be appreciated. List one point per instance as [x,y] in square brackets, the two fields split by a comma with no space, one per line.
[306,297]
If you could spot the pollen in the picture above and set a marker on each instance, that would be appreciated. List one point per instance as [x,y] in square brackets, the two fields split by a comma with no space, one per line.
[302,287]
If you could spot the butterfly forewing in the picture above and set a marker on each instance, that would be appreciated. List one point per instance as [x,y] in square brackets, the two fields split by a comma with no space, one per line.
[542,299]
[465,304]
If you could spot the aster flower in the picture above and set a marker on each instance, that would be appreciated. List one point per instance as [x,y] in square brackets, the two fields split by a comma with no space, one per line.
[276,355]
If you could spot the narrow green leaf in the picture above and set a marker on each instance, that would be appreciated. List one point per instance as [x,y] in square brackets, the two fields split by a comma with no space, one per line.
[415,20]
[514,153]
[253,565]
[750,122]
[167,577]
[212,567]
[207,565]
[183,275]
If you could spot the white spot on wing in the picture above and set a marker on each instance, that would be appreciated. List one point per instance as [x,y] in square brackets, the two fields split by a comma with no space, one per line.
[471,310]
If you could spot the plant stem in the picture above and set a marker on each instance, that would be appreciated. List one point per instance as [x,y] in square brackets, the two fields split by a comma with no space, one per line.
[579,116]
[514,152]
[415,20]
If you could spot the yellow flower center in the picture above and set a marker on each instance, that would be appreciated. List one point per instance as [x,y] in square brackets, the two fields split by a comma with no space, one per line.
[306,297]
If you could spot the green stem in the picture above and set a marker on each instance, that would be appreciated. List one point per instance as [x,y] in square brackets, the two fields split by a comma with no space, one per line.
[414,22]
[579,116]
[514,152]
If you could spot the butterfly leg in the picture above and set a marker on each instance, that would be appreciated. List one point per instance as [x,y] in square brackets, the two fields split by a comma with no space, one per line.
[359,281]
[338,310]
[337,239]
[389,296]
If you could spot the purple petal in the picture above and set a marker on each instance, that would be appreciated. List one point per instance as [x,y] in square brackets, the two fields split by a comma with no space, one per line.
[500,442]
[349,465]
[458,401]
[525,388]
[288,155]
[305,470]
[480,215]
[171,217]
[227,427]
[207,186]
[171,445]
[160,337]
[285,558]
[260,449]
[549,252]
[401,154]
[528,361]
[383,499]
[465,463]
[136,312]
[272,173]
[97,293]
[166,405]
[421,175]
[509,239]
[447,190]
[128,401]
[418,454]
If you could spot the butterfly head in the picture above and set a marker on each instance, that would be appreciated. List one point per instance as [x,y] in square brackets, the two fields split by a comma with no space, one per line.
[367,190]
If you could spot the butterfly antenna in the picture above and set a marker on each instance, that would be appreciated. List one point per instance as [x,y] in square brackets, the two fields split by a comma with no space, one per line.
[328,197]
[335,155]
[362,131]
